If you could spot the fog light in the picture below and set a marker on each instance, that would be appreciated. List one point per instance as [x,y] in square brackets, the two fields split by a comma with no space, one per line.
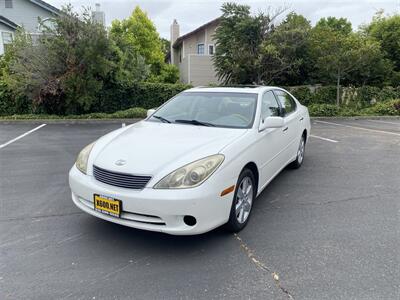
[189,220]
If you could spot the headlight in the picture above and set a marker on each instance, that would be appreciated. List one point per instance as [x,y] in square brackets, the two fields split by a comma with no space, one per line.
[192,174]
[81,161]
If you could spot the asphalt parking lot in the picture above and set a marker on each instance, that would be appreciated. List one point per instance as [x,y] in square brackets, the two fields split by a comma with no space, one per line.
[330,230]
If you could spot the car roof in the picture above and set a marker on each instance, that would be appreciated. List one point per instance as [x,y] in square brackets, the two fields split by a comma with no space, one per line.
[255,89]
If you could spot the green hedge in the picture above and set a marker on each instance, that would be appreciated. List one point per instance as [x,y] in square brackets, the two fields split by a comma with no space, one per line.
[10,105]
[320,99]
[385,108]
[113,98]
[352,97]
[388,108]
[146,95]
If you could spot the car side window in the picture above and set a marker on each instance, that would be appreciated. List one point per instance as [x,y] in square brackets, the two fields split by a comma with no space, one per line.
[287,102]
[269,106]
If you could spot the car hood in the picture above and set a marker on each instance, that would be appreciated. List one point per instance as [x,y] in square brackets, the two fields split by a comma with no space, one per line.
[150,147]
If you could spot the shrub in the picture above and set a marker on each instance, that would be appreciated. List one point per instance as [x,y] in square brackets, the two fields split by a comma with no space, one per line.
[302,93]
[390,108]
[324,94]
[114,97]
[64,70]
[365,96]
[135,112]
[314,94]
[323,110]
[6,102]
[144,94]
[10,104]
[353,97]
[386,108]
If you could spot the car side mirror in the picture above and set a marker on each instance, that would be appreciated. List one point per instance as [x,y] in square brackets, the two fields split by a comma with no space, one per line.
[271,122]
[150,112]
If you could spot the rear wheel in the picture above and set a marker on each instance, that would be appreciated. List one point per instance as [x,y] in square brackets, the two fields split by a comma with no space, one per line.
[300,154]
[242,203]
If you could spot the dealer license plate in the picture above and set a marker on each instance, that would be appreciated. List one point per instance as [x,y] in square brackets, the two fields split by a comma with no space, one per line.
[107,205]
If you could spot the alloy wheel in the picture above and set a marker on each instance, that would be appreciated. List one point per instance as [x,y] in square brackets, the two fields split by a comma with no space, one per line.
[244,199]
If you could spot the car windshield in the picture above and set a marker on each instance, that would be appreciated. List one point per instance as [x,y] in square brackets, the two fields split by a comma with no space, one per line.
[217,109]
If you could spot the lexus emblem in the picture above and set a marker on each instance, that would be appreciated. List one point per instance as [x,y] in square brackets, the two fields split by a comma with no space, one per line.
[120,162]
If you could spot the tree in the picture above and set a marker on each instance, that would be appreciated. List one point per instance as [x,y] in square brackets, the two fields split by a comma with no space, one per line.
[166,49]
[341,25]
[137,36]
[250,49]
[139,32]
[337,54]
[65,69]
[386,31]
[237,39]
[290,38]
[373,67]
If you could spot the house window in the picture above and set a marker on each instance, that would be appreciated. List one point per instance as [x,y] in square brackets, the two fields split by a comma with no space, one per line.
[200,49]
[8,3]
[7,39]
[47,23]
[211,49]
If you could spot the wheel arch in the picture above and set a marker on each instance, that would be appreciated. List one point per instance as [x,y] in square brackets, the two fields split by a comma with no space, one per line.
[305,134]
[254,169]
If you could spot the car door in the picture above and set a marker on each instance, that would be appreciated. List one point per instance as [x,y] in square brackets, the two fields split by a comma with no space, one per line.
[271,140]
[291,128]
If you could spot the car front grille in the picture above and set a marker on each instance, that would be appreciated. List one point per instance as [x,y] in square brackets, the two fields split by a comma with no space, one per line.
[128,181]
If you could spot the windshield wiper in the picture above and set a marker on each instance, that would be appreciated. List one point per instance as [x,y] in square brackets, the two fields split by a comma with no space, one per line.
[162,119]
[195,122]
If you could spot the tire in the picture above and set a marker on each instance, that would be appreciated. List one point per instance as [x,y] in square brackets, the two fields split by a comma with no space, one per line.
[300,154]
[240,213]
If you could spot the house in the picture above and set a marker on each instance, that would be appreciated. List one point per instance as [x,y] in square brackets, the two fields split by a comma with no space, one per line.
[192,53]
[23,13]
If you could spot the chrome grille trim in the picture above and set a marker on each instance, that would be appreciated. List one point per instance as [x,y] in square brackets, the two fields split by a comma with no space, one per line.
[124,180]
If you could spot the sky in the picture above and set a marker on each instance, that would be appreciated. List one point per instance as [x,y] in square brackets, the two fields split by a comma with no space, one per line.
[192,14]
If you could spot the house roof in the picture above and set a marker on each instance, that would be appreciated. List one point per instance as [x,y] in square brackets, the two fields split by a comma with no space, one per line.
[181,38]
[46,6]
[8,22]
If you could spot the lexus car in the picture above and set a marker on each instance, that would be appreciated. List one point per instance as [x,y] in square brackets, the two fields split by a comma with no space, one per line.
[195,163]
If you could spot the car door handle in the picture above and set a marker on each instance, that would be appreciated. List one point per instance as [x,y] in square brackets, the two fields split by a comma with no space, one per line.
[301,119]
[285,129]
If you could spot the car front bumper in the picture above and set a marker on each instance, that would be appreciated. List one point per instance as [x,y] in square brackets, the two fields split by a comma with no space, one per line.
[160,210]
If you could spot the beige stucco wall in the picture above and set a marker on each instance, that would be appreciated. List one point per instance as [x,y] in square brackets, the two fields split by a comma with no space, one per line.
[201,70]
[190,43]
[196,69]
[202,37]
[209,36]
[183,70]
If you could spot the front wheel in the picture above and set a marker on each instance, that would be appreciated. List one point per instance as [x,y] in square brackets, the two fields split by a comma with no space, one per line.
[242,203]
[300,154]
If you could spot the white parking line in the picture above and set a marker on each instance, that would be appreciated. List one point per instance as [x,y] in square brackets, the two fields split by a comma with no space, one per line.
[324,139]
[384,122]
[361,128]
[21,136]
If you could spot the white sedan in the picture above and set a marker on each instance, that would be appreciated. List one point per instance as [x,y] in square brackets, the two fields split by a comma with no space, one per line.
[196,163]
